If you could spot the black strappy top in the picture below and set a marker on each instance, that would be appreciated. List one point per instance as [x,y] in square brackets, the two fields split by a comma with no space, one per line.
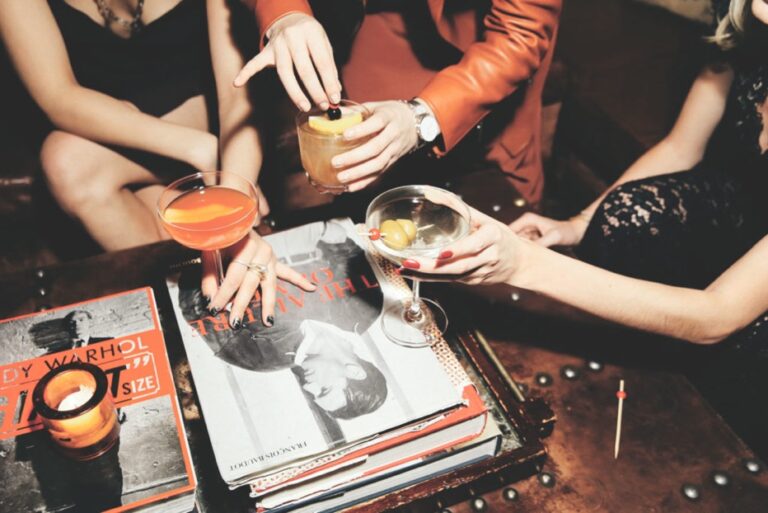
[157,69]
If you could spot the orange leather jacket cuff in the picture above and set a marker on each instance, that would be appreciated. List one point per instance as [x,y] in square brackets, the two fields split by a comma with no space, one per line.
[269,11]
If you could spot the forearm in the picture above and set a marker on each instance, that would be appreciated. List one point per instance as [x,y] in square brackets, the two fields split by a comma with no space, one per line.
[519,34]
[101,118]
[694,315]
[239,142]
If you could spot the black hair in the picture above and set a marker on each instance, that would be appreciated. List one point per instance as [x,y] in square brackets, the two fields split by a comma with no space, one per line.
[363,395]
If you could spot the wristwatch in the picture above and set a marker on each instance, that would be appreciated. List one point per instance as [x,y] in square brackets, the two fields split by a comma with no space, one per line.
[427,127]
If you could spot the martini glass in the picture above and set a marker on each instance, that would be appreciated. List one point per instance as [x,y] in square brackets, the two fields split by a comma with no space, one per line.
[439,219]
[209,211]
[317,148]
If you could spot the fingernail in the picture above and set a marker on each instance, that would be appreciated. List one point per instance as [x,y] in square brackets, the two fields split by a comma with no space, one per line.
[445,254]
[324,105]
[341,177]
[399,270]
[411,264]
[335,163]
[236,323]
[213,311]
[336,97]
[270,320]
[305,106]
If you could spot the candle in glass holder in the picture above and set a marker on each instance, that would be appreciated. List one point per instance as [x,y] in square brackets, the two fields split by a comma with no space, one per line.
[77,409]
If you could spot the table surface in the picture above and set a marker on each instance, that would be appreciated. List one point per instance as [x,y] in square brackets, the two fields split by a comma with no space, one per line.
[671,436]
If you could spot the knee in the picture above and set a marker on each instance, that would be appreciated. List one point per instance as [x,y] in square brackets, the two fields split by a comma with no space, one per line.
[70,170]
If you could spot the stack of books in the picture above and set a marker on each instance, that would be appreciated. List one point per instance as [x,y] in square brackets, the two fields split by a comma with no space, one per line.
[322,411]
[149,469]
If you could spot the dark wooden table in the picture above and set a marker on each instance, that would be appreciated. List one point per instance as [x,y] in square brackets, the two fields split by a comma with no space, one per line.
[671,435]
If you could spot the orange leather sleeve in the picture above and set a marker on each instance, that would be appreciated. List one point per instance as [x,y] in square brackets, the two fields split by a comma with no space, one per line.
[269,11]
[518,34]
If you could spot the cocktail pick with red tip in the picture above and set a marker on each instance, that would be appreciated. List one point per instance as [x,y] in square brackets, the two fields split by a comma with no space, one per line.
[621,395]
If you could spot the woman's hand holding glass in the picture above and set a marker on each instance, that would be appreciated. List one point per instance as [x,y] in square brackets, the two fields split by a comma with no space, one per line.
[252,265]
[491,254]
[394,127]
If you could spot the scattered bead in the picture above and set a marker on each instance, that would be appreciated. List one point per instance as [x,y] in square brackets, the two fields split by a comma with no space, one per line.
[543,379]
[496,208]
[478,504]
[594,366]
[40,274]
[42,292]
[546,479]
[510,494]
[753,466]
[720,478]
[691,492]
[515,296]
[374,234]
[43,308]
[519,202]
[570,372]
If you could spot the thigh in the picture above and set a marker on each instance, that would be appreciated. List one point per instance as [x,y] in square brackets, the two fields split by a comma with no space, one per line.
[681,228]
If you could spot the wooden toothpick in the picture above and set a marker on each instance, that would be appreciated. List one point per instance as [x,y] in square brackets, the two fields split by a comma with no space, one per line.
[621,394]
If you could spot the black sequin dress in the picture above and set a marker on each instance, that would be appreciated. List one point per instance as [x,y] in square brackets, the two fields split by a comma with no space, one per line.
[687,228]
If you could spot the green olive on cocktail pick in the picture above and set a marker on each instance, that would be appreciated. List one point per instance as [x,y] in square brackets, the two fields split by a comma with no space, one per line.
[409,227]
[393,235]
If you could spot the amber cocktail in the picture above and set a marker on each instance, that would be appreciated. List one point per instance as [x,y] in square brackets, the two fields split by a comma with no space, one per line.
[209,211]
[321,138]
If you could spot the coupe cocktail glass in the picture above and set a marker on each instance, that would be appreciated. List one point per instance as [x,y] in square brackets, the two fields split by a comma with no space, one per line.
[439,218]
[320,144]
[209,211]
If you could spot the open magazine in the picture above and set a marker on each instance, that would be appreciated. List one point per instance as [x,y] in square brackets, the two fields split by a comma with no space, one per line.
[325,379]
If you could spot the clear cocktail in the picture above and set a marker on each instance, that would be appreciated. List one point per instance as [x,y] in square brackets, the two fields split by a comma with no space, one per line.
[416,221]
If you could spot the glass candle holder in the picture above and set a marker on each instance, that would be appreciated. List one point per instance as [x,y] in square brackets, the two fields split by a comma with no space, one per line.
[76,408]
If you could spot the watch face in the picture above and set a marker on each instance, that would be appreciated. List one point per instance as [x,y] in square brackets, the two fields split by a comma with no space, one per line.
[428,129]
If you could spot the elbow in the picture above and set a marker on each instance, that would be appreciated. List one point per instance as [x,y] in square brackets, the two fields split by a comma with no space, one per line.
[714,331]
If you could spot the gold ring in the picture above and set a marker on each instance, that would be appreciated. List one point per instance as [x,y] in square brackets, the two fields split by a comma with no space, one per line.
[259,268]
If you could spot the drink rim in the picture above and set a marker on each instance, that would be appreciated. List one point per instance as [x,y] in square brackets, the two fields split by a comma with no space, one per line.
[466,214]
[198,175]
[303,117]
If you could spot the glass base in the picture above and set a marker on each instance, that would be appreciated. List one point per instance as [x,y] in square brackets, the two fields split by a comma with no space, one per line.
[326,189]
[415,327]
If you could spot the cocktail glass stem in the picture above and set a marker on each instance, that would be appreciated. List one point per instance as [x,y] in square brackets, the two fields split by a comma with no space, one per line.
[415,311]
[219,266]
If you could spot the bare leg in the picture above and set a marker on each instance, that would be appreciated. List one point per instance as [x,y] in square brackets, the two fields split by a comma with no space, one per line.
[90,182]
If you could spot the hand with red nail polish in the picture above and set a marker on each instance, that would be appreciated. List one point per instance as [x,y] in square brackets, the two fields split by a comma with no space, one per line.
[409,263]
[491,253]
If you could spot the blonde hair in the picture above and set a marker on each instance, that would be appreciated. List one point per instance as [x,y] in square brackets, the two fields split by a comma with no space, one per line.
[731,27]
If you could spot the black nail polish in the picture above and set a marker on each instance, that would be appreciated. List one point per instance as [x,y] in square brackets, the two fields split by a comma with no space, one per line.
[237,324]
[270,320]
[213,311]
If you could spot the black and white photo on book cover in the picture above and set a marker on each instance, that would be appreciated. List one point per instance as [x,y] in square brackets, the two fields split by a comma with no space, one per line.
[323,377]
[148,461]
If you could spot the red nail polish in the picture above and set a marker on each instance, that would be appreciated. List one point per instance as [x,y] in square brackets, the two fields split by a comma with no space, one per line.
[445,254]
[411,264]
[399,270]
